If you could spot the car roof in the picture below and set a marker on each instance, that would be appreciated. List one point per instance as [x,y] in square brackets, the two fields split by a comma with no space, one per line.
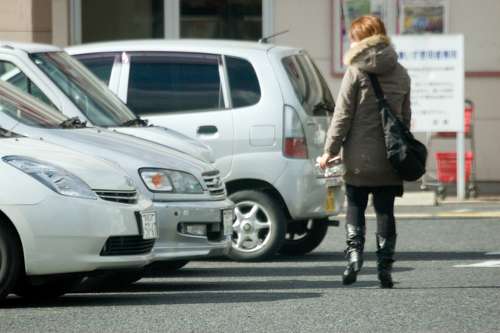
[29,47]
[195,45]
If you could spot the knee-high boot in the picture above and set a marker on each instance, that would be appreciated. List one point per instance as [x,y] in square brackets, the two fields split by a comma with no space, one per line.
[385,259]
[355,239]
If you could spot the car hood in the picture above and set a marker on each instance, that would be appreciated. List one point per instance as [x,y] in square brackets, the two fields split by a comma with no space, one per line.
[172,139]
[99,174]
[132,153]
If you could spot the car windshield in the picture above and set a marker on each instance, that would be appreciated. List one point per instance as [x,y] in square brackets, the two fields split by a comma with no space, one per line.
[88,93]
[27,109]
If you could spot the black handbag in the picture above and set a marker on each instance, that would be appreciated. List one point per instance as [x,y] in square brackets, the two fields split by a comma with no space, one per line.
[406,154]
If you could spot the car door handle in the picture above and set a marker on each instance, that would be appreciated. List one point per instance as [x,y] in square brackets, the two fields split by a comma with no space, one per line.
[207,130]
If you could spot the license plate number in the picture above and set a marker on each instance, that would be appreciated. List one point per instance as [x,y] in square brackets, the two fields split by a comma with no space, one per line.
[330,200]
[227,221]
[149,226]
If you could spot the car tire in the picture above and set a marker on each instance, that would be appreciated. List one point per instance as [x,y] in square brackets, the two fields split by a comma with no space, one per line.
[259,227]
[52,288]
[160,268]
[304,238]
[10,260]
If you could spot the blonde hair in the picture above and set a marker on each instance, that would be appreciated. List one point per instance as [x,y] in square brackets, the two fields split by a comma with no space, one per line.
[366,26]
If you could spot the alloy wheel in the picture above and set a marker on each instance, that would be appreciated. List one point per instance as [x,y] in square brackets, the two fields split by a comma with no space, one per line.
[252,227]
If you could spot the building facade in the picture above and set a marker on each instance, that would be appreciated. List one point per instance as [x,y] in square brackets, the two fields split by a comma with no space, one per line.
[309,24]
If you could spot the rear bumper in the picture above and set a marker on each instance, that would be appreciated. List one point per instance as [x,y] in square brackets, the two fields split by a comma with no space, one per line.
[174,244]
[306,193]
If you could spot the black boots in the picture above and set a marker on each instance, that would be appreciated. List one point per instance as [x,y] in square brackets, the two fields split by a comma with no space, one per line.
[385,259]
[354,253]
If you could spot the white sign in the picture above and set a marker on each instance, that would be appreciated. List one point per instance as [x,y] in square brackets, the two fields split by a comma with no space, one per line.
[435,64]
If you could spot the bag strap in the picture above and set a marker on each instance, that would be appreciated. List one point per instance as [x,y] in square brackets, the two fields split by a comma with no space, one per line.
[379,93]
[376,87]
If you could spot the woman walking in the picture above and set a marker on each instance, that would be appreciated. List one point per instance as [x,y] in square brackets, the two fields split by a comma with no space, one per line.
[356,128]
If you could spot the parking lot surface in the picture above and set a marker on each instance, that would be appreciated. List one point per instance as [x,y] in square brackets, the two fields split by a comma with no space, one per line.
[447,274]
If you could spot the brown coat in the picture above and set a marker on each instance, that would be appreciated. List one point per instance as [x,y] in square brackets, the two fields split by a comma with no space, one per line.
[356,125]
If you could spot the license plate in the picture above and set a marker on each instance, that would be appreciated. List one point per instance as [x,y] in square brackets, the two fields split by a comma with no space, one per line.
[149,226]
[330,200]
[227,220]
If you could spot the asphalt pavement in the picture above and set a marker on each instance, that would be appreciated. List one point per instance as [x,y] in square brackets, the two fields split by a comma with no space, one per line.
[447,274]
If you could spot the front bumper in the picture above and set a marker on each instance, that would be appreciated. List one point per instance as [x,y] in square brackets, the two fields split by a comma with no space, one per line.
[306,193]
[66,235]
[175,244]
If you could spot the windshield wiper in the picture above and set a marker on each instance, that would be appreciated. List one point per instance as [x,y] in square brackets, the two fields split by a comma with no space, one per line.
[320,108]
[74,122]
[139,122]
[8,134]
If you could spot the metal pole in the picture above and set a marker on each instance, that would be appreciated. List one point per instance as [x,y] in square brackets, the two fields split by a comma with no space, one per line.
[460,165]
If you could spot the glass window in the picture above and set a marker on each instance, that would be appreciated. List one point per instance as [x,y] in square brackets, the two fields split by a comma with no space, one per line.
[309,85]
[101,65]
[121,19]
[245,89]
[89,94]
[174,82]
[12,74]
[227,19]
[29,111]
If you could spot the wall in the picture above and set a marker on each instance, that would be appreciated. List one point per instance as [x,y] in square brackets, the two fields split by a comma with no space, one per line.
[26,20]
[310,23]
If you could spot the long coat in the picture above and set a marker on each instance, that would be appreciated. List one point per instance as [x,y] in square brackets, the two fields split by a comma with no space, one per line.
[356,125]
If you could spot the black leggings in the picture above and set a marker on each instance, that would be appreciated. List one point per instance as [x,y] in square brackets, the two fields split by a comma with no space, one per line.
[383,202]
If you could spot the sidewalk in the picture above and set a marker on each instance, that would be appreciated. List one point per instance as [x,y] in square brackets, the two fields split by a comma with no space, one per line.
[420,205]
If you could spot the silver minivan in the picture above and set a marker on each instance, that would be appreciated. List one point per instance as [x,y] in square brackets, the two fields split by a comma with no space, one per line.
[264,109]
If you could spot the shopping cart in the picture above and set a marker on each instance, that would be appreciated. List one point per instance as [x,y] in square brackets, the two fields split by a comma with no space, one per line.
[446,170]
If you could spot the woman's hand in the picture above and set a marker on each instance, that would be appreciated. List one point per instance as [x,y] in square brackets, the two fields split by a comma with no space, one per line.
[323,160]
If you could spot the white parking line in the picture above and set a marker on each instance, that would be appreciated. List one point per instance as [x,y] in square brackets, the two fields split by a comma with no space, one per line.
[488,263]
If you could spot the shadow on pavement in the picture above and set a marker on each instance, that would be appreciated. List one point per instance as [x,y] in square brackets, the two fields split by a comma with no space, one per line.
[127,297]
[271,286]
[265,271]
[400,256]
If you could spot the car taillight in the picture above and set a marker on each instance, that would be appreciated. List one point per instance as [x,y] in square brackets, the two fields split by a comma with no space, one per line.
[294,145]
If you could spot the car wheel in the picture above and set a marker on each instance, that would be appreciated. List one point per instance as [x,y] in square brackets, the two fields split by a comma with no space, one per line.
[303,237]
[51,288]
[10,260]
[160,268]
[259,226]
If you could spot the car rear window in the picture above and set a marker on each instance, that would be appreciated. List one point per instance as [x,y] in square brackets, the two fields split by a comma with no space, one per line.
[309,85]
[245,88]
[174,82]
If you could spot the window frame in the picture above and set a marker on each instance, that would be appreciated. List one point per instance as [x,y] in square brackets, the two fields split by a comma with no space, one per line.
[171,19]
[124,84]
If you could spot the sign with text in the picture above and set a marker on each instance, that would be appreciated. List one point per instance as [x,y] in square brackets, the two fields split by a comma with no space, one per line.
[435,64]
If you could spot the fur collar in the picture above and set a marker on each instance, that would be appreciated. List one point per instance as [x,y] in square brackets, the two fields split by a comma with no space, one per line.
[366,43]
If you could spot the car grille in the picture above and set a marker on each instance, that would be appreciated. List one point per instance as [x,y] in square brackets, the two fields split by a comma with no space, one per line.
[127,245]
[126,197]
[214,183]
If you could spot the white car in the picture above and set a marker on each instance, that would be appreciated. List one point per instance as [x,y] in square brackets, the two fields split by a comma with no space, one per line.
[190,219]
[65,215]
[194,215]
[264,109]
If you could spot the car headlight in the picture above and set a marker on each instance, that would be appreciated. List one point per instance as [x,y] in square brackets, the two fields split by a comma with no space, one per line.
[54,177]
[161,180]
